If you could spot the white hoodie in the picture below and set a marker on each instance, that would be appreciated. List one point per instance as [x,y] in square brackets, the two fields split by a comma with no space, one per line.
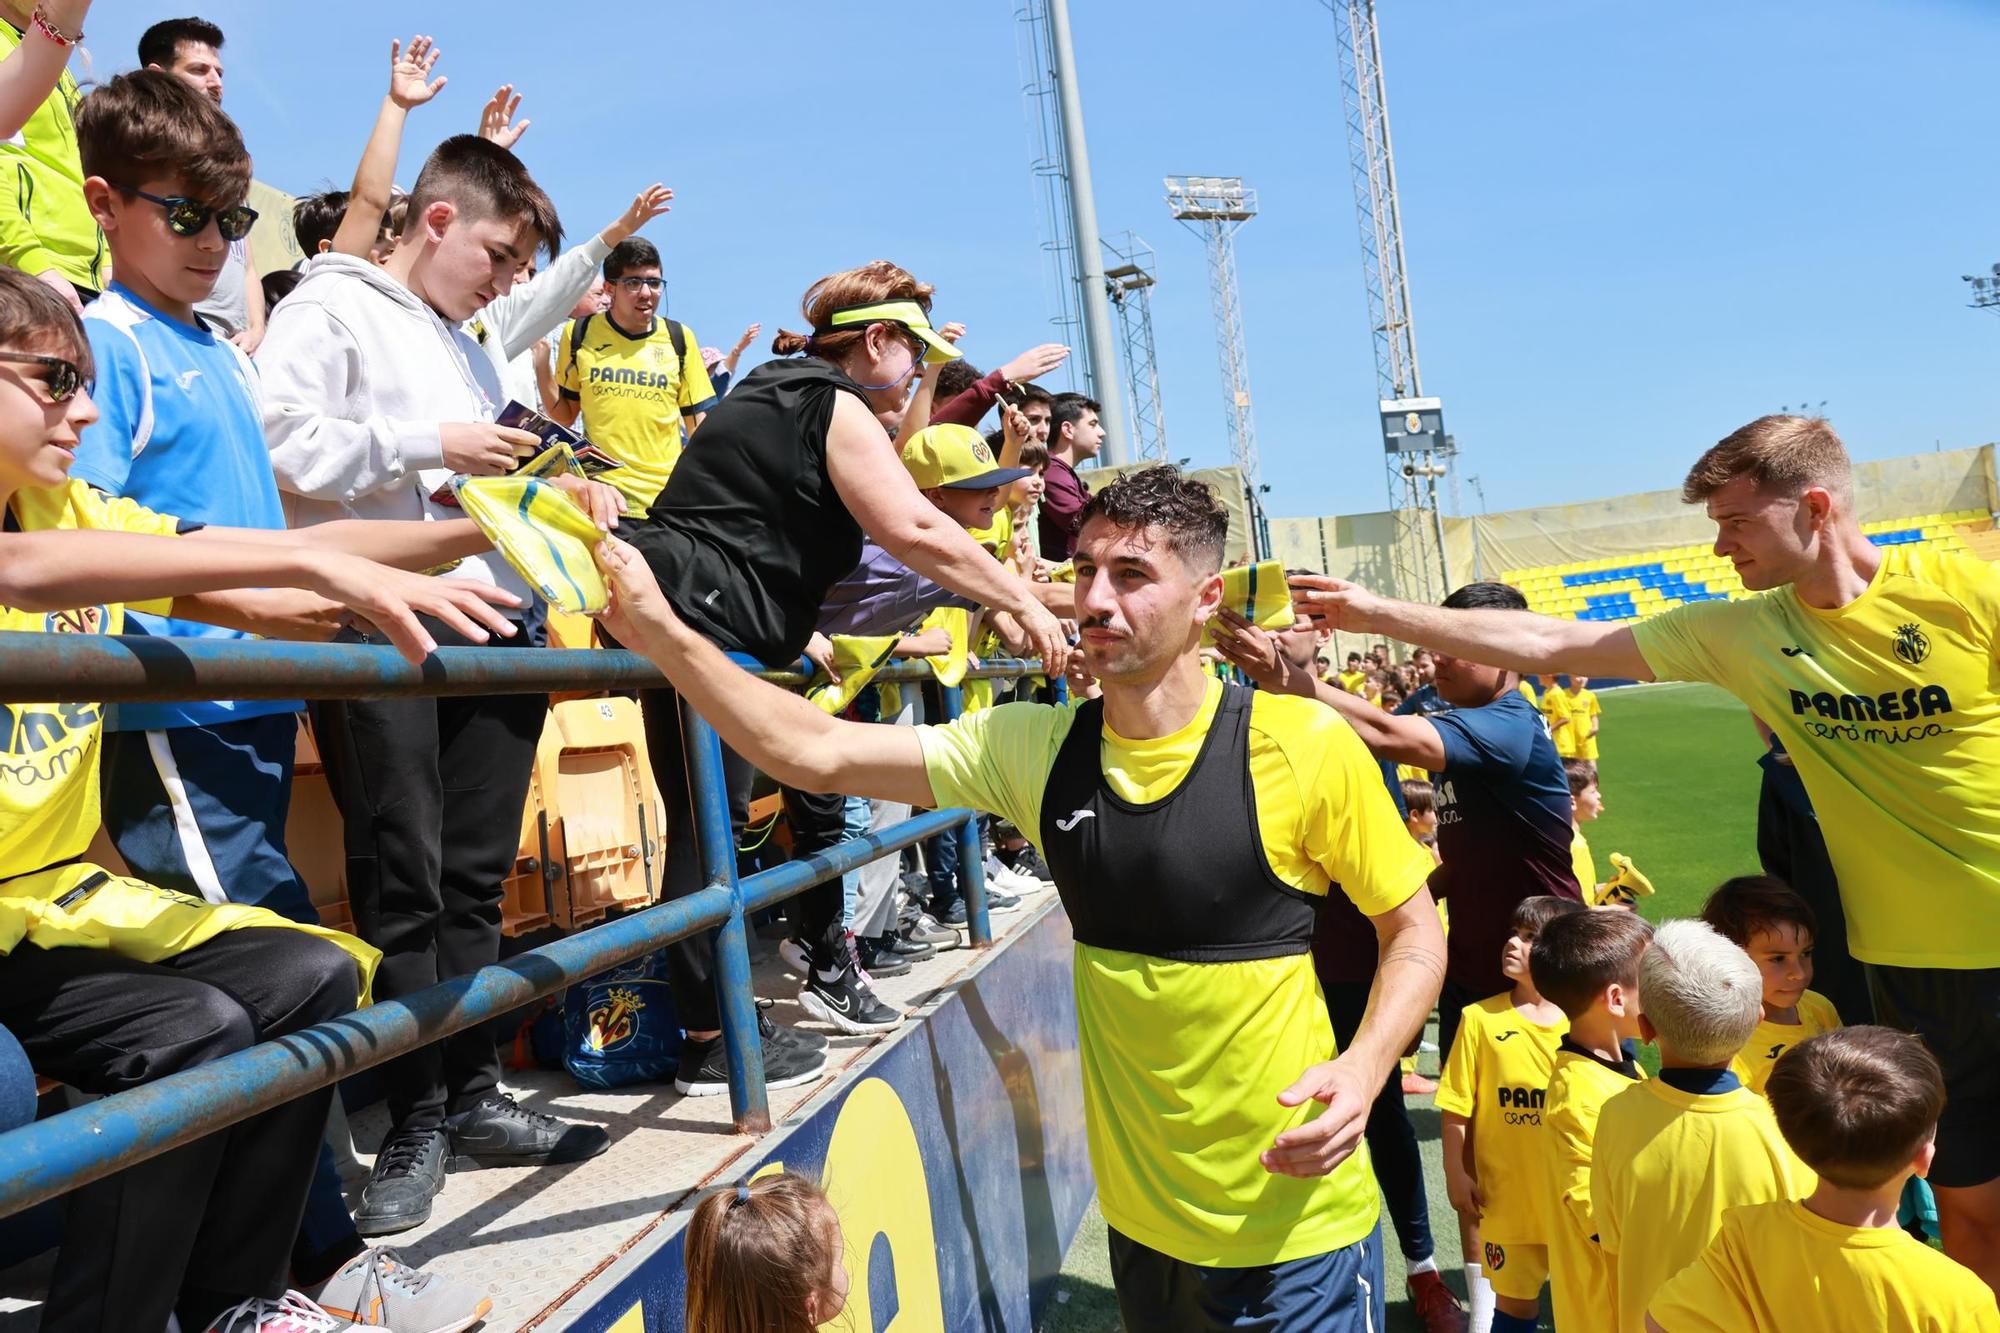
[357,373]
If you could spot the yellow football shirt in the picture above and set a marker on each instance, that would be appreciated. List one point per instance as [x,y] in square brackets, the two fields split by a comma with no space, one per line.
[1782,1268]
[1496,1075]
[1667,1165]
[1555,707]
[1585,713]
[1528,693]
[1771,1040]
[1890,711]
[1579,1270]
[49,752]
[1351,681]
[635,393]
[1182,1062]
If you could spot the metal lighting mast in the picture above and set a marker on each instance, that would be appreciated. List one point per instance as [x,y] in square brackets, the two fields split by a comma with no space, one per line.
[1129,281]
[1070,210]
[1215,208]
[1985,290]
[1412,425]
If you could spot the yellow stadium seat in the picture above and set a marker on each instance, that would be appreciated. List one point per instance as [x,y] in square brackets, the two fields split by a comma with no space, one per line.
[611,811]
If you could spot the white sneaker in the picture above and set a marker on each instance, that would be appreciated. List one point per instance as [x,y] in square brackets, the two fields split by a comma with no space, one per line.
[792,953]
[290,1313]
[1010,881]
[374,1289]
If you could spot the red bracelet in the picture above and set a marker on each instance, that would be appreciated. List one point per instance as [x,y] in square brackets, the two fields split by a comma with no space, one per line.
[51,31]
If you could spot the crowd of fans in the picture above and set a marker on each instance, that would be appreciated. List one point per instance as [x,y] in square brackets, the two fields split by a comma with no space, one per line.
[299,436]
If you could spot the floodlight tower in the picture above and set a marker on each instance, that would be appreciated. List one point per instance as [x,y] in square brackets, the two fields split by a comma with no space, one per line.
[1985,290]
[1417,449]
[1129,280]
[1215,208]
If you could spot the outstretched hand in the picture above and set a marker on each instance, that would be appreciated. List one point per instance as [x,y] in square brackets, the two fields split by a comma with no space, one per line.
[1324,1142]
[410,82]
[1332,603]
[1254,652]
[637,603]
[1035,363]
[392,599]
[496,120]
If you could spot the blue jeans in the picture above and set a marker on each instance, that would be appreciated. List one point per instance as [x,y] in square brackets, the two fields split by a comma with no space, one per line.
[857,814]
[941,862]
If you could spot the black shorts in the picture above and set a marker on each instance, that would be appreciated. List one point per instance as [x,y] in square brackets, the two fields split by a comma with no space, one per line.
[1957,1013]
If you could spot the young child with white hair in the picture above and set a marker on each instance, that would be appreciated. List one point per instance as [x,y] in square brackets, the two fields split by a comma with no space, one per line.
[1673,1153]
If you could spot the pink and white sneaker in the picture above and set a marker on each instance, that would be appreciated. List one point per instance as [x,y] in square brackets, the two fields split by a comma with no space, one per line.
[290,1313]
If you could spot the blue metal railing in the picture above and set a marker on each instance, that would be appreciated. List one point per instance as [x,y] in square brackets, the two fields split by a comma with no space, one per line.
[56,1155]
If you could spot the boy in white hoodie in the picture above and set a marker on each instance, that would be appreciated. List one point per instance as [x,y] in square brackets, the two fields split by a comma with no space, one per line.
[374,396]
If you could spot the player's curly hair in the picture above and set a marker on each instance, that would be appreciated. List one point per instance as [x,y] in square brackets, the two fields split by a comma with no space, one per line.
[1187,511]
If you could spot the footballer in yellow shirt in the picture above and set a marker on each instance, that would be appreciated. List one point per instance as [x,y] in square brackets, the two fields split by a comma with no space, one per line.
[1580,1280]
[1779,1267]
[1496,1076]
[1666,1165]
[1586,716]
[1771,1040]
[1554,704]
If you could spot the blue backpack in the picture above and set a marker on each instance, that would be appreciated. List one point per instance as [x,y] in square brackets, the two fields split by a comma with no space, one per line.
[621,1028]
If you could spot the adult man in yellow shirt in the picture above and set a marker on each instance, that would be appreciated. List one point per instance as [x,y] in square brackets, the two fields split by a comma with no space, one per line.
[1585,717]
[1191,827]
[636,376]
[1877,668]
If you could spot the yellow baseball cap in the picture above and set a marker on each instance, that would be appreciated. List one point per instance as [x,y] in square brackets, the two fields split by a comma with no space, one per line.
[907,314]
[956,458]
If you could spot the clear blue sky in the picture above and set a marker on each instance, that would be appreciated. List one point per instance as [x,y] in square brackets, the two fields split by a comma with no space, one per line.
[1630,229]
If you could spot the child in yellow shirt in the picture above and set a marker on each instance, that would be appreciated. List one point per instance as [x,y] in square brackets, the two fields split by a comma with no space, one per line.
[1674,1153]
[1491,1096]
[1588,965]
[1860,1106]
[1775,926]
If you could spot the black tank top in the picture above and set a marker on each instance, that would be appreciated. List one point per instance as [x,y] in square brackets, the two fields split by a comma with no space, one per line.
[1184,878]
[748,533]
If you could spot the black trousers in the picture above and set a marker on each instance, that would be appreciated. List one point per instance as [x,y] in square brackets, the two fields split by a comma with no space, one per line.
[816,824]
[1392,1139]
[430,792]
[207,1225]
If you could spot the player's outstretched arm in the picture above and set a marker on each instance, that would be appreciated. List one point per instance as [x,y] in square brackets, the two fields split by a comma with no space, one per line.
[1518,640]
[781,733]
[1410,945]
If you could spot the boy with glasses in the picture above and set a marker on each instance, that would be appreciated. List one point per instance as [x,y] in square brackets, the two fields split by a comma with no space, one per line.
[635,375]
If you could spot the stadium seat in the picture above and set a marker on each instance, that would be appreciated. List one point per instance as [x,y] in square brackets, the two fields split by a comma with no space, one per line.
[611,812]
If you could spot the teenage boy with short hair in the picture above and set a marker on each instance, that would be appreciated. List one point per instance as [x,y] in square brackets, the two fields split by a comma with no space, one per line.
[374,396]
[1588,965]
[635,374]
[1676,1152]
[1860,1106]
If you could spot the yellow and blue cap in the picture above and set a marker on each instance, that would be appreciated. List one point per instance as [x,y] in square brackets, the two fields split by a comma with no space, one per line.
[956,458]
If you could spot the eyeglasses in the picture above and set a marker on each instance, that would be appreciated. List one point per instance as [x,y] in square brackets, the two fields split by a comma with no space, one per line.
[637,285]
[187,217]
[64,378]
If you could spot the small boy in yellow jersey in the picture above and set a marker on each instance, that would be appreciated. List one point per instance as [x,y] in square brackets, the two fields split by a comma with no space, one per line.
[1491,1097]
[1775,926]
[1676,1152]
[1860,1105]
[1588,965]
[1586,716]
[1586,801]
[1554,704]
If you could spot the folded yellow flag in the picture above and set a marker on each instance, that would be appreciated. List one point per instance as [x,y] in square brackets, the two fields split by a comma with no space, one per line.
[1259,594]
[949,667]
[1625,887]
[544,536]
[81,906]
[857,657]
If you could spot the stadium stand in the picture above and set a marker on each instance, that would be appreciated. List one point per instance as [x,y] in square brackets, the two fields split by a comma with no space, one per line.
[1636,587]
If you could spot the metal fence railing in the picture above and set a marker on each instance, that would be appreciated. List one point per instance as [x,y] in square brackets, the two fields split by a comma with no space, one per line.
[53,1156]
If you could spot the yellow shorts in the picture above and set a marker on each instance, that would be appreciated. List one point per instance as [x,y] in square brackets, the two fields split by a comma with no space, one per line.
[1516,1271]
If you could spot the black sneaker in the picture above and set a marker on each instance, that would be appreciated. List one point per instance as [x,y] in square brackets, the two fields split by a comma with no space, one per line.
[998,900]
[903,947]
[797,1039]
[409,1171]
[502,1132]
[1027,861]
[880,962]
[953,915]
[704,1069]
[847,1003]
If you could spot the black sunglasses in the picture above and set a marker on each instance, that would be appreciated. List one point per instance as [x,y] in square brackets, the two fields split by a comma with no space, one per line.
[64,378]
[186,217]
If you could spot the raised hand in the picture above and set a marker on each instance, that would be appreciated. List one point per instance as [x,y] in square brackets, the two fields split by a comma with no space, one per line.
[1035,362]
[1334,603]
[410,82]
[749,336]
[496,121]
[651,202]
